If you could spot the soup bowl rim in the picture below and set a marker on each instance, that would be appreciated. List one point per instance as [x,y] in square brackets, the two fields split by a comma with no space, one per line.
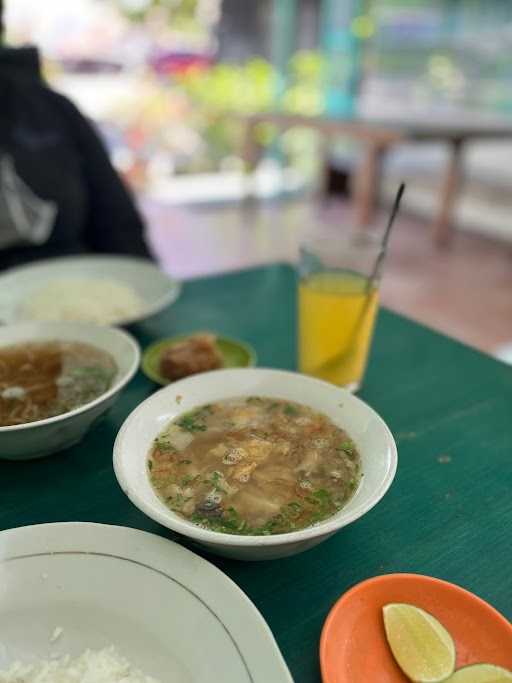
[172,521]
[112,391]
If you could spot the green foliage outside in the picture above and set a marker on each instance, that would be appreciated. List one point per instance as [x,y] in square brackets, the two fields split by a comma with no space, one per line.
[222,95]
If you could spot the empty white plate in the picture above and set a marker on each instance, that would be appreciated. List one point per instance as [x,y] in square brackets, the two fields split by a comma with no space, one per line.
[156,289]
[173,615]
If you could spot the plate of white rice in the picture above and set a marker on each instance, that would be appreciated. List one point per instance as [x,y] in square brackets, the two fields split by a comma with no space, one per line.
[105,290]
[92,603]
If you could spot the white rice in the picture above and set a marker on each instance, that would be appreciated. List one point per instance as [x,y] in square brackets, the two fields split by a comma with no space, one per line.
[93,666]
[99,301]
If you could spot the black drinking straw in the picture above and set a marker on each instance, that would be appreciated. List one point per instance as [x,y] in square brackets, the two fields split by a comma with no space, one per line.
[325,367]
[385,239]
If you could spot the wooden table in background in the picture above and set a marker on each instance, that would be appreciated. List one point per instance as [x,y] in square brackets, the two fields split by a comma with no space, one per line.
[447,514]
[376,138]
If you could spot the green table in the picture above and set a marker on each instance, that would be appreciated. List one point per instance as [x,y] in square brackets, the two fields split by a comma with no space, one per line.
[448,513]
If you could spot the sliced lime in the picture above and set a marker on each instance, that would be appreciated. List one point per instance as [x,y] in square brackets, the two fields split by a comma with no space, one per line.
[421,645]
[481,673]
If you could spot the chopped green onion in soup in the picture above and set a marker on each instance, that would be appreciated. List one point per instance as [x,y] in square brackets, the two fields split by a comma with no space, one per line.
[254,466]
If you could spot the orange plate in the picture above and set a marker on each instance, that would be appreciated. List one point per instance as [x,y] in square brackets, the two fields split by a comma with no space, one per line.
[354,649]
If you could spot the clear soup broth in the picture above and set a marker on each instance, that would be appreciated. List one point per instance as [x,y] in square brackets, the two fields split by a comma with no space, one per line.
[41,380]
[254,466]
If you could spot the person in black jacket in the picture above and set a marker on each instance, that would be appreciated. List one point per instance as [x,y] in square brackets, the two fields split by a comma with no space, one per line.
[59,193]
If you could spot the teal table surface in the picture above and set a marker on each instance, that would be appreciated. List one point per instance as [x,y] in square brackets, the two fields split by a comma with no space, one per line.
[448,513]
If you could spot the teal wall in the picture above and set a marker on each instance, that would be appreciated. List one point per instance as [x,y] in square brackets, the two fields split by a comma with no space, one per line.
[342,51]
[336,40]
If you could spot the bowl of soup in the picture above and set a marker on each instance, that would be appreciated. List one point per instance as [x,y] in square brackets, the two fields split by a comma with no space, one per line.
[254,463]
[56,380]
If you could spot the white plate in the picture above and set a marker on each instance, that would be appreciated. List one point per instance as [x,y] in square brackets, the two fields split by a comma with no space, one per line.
[171,613]
[154,287]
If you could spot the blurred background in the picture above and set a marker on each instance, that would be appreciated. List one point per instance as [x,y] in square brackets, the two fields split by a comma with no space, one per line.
[215,113]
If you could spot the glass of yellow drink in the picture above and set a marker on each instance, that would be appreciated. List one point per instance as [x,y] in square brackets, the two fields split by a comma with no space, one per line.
[338,301]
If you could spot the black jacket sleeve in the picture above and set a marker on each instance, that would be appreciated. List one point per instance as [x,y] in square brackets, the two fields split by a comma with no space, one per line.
[113,223]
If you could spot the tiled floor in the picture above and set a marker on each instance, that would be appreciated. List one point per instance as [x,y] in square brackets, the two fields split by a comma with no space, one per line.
[464,291]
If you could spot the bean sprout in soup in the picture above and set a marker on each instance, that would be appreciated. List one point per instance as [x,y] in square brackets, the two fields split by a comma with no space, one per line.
[41,380]
[254,466]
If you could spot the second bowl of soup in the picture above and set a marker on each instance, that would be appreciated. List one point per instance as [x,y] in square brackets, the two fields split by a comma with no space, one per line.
[254,463]
[56,380]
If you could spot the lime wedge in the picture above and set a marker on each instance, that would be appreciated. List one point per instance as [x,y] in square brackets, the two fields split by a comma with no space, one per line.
[422,647]
[481,673]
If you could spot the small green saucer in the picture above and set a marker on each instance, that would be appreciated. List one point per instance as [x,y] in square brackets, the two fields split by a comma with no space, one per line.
[235,354]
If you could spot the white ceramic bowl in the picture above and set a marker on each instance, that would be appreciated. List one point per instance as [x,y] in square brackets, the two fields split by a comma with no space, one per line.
[369,432]
[37,439]
[156,289]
